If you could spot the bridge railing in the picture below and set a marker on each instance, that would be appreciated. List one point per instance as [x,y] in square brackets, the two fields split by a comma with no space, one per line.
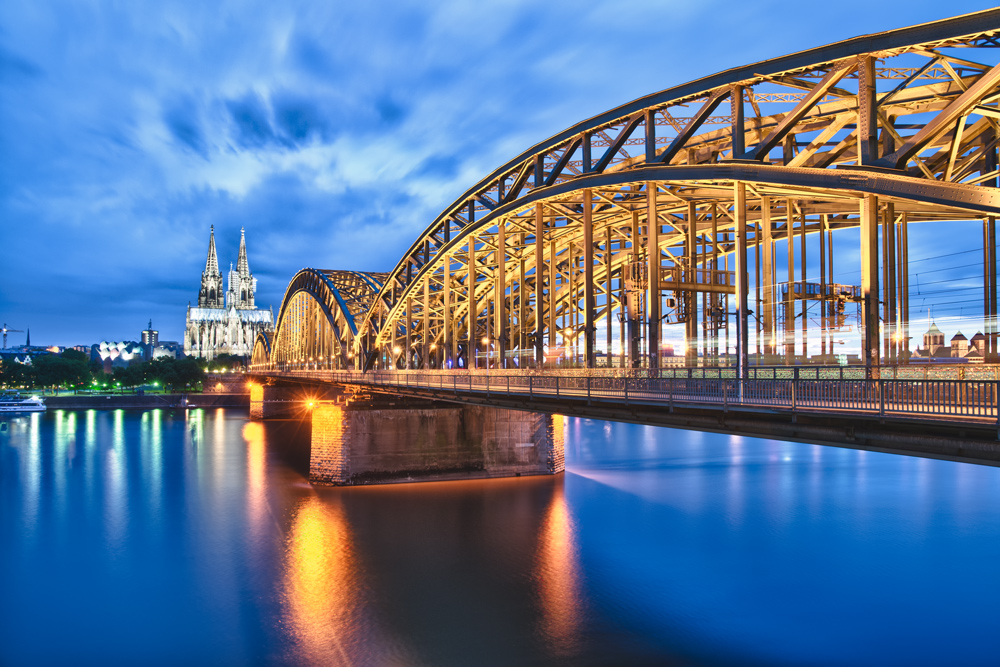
[967,399]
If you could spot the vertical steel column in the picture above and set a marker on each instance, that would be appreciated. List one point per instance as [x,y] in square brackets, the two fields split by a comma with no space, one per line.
[904,274]
[867,111]
[472,317]
[790,284]
[768,243]
[738,127]
[607,293]
[824,222]
[802,282]
[742,284]
[447,316]
[539,286]
[990,252]
[829,272]
[714,301]
[653,255]
[989,288]
[890,297]
[409,328]
[500,327]
[650,135]
[886,341]
[869,284]
[589,328]
[757,301]
[522,297]
[426,338]
[633,297]
[992,238]
[552,293]
[691,323]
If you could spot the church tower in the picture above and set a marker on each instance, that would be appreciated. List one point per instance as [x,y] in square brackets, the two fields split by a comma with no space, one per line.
[246,284]
[211,294]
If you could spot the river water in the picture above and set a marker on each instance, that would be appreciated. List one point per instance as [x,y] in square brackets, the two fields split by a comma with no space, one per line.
[170,537]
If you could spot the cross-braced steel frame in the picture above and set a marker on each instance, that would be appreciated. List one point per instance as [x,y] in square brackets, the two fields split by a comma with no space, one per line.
[650,213]
[318,320]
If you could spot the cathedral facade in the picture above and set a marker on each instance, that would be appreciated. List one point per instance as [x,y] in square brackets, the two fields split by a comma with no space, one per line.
[225,321]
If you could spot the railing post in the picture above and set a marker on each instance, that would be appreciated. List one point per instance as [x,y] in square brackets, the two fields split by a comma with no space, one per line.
[588,390]
[795,390]
[625,385]
[673,376]
[531,389]
[557,386]
[881,398]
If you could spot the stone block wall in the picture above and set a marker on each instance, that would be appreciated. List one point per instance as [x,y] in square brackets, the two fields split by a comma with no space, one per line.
[352,445]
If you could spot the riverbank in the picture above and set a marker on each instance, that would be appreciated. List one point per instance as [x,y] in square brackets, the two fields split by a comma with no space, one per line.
[148,401]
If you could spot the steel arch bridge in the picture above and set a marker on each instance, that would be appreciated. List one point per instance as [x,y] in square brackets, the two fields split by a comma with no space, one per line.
[669,210]
[319,317]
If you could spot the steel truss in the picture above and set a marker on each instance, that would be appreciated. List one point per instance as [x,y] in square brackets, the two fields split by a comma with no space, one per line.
[648,211]
[318,320]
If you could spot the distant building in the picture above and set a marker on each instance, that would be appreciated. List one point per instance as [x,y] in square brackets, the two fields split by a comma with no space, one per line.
[959,350]
[959,345]
[225,322]
[150,337]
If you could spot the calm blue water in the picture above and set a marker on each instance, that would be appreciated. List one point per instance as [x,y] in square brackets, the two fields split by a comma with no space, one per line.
[169,538]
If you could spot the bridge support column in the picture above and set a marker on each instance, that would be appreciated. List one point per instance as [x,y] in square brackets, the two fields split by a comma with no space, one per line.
[869,284]
[691,314]
[653,256]
[539,286]
[589,328]
[742,285]
[384,443]
[501,328]
[767,248]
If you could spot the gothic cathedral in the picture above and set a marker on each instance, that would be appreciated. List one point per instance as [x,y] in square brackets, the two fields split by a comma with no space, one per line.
[225,322]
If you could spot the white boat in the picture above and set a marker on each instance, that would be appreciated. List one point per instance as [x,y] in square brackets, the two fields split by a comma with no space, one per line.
[18,403]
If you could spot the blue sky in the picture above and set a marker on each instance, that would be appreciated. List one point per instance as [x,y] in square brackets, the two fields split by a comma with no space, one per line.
[334,132]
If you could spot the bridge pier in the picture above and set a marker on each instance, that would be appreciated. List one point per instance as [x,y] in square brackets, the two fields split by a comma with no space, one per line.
[381,443]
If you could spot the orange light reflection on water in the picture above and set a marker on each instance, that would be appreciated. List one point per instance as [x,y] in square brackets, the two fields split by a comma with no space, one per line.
[558,575]
[320,584]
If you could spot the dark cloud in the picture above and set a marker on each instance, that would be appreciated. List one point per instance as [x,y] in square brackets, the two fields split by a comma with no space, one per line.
[183,123]
[253,126]
[300,119]
[390,112]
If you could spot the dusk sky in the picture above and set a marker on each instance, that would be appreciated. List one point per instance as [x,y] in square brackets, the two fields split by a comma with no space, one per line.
[333,132]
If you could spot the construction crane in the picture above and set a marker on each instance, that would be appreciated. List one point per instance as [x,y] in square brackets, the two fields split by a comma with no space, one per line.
[6,331]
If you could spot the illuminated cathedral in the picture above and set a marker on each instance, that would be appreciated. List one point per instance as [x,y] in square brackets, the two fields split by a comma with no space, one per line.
[225,322]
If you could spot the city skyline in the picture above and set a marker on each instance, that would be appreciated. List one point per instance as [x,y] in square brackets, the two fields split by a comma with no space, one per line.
[333,137]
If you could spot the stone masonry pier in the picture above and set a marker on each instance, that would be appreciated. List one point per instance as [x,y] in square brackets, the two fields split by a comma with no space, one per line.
[361,444]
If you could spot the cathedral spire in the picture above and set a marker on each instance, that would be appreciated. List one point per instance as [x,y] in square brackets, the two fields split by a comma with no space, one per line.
[212,263]
[211,294]
[242,265]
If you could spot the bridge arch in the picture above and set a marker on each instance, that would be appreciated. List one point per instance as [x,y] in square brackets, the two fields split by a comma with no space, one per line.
[875,132]
[318,320]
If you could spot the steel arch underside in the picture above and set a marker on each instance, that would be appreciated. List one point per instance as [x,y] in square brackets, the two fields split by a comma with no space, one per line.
[884,129]
[318,315]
